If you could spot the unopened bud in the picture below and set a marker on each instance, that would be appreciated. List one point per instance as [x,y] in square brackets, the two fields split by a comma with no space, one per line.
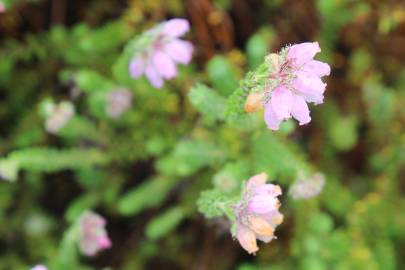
[253,102]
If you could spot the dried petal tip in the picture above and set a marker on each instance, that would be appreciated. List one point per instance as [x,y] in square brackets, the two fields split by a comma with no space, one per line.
[260,226]
[247,240]
[254,102]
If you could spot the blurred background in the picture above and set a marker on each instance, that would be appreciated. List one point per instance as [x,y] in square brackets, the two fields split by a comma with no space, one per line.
[145,170]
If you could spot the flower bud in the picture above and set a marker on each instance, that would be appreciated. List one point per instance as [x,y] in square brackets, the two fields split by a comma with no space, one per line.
[253,102]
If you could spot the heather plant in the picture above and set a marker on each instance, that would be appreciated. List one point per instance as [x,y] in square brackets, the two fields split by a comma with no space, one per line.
[183,135]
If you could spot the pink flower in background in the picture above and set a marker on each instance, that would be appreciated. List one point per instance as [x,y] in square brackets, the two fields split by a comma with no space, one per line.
[58,116]
[93,235]
[307,188]
[118,102]
[2,7]
[39,267]
[298,82]
[158,61]
[257,214]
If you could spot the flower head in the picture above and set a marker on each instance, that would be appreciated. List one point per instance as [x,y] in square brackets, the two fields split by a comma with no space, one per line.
[257,214]
[118,101]
[2,7]
[295,80]
[58,116]
[308,188]
[93,235]
[157,60]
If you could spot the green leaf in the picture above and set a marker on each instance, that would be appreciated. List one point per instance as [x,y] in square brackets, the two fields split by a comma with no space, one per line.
[165,223]
[222,75]
[207,102]
[49,160]
[148,194]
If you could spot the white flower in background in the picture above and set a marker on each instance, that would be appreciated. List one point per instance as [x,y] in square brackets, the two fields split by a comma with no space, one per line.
[307,188]
[58,115]
[118,102]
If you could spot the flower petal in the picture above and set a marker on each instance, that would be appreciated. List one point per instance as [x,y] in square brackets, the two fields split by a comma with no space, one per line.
[179,50]
[153,76]
[317,67]
[257,181]
[310,86]
[281,101]
[136,67]
[268,189]
[303,52]
[270,117]
[164,65]
[247,239]
[176,27]
[300,110]
[261,204]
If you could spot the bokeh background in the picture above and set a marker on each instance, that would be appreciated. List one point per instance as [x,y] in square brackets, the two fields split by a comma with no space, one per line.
[144,172]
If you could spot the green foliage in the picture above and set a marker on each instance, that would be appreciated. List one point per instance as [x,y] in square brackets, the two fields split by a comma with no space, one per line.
[207,102]
[222,75]
[165,223]
[49,160]
[184,153]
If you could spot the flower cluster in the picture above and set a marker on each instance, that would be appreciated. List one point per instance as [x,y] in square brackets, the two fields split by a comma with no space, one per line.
[308,188]
[92,234]
[157,60]
[58,116]
[118,102]
[294,81]
[257,214]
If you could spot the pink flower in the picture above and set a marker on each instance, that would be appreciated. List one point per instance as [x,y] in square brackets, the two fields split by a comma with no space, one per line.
[58,116]
[257,214]
[307,188]
[118,101]
[296,82]
[39,267]
[93,235]
[2,7]
[158,60]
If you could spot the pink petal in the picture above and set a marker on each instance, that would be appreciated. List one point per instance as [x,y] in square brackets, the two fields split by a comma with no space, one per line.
[164,65]
[300,110]
[317,67]
[281,100]
[303,52]
[256,181]
[153,76]
[247,239]
[310,86]
[268,189]
[104,242]
[179,50]
[270,117]
[261,204]
[265,239]
[136,67]
[176,27]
